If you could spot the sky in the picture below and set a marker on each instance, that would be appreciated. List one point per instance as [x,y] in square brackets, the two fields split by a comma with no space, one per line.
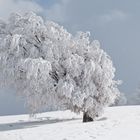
[116,24]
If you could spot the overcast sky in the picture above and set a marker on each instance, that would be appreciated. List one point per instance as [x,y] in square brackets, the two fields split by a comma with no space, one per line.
[115,23]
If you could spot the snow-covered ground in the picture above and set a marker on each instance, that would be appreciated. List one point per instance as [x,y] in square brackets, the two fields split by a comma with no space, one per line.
[117,123]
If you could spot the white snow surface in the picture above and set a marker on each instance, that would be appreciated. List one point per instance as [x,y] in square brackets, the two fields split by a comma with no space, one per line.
[117,123]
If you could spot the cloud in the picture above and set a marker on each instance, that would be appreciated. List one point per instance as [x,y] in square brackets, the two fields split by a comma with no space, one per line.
[83,15]
[114,15]
[74,15]
[57,11]
[18,6]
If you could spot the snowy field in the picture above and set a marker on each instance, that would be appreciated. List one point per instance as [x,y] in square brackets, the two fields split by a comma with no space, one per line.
[117,123]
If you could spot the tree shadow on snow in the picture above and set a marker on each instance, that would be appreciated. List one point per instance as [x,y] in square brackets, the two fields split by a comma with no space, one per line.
[102,119]
[31,124]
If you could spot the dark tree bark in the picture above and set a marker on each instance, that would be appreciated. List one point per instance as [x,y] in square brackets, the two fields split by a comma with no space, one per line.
[86,117]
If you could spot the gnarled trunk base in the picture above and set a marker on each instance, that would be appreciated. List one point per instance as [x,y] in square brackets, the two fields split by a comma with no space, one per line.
[86,117]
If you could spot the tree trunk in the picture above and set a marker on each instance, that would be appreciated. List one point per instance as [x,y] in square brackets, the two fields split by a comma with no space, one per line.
[86,117]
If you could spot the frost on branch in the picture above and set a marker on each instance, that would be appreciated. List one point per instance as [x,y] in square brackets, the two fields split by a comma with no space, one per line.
[52,68]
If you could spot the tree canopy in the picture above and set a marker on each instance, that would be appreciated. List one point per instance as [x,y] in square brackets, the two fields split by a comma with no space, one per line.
[52,68]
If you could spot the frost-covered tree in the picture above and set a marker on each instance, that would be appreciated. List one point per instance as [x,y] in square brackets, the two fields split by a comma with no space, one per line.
[120,100]
[52,68]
